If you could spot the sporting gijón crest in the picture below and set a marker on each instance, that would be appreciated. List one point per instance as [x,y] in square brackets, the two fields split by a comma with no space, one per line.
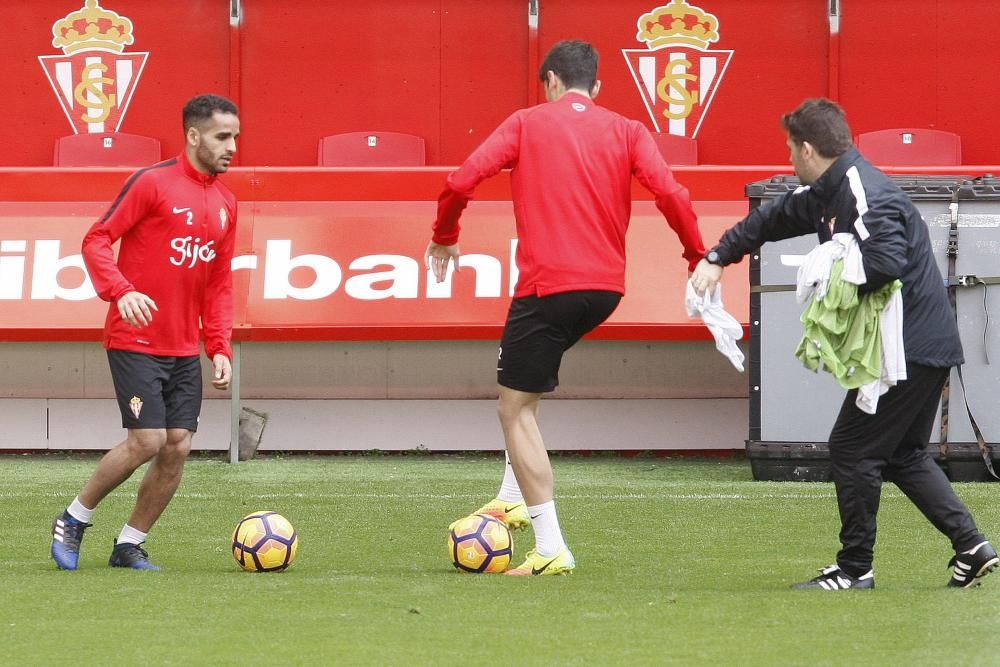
[95,78]
[677,74]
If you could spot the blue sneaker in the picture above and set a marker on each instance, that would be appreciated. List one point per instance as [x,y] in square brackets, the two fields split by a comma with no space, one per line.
[130,555]
[67,533]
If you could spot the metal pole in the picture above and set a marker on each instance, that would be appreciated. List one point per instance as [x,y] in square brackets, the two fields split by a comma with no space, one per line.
[235,57]
[234,408]
[833,51]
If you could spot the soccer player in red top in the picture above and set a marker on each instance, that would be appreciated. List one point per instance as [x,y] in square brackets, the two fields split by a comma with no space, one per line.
[573,164]
[177,226]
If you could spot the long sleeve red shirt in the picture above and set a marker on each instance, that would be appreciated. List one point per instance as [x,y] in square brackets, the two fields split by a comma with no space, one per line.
[573,163]
[177,228]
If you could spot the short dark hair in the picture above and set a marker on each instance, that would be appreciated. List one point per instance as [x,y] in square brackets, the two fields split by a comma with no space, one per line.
[822,123]
[203,106]
[574,62]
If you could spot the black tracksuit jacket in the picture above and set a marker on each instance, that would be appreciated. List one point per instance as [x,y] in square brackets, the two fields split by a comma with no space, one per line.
[853,196]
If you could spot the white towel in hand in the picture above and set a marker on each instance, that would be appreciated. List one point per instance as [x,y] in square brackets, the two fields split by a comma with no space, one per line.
[724,327]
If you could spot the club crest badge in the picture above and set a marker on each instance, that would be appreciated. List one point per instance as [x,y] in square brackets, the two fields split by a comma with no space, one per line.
[135,404]
[94,78]
[677,74]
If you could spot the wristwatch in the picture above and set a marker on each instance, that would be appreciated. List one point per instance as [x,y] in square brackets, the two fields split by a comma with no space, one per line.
[712,257]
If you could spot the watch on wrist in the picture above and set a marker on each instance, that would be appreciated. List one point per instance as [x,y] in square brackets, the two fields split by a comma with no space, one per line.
[712,257]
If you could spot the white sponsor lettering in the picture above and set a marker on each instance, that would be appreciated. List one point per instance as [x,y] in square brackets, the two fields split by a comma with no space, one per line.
[369,278]
[488,272]
[243,262]
[12,269]
[402,279]
[189,249]
[45,272]
[279,265]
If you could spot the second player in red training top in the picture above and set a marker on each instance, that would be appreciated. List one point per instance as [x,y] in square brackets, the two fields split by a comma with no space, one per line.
[571,186]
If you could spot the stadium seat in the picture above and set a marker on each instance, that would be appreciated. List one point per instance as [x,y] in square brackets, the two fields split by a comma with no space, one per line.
[106,149]
[371,149]
[676,149]
[910,146]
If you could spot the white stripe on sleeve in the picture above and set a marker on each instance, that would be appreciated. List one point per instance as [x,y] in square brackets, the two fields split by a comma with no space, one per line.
[858,190]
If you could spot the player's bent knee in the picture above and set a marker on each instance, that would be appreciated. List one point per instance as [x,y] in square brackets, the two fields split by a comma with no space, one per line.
[147,442]
[179,441]
[508,411]
[177,452]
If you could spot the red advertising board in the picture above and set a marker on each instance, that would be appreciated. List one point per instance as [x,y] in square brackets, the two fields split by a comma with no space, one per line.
[345,269]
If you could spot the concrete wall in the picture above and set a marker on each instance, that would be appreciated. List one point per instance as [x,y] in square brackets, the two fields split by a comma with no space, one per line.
[397,395]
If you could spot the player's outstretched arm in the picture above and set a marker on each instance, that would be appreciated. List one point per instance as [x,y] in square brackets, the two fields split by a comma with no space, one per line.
[672,199]
[499,150]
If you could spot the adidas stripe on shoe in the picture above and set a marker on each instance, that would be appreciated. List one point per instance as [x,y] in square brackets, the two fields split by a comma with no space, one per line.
[67,533]
[970,566]
[832,578]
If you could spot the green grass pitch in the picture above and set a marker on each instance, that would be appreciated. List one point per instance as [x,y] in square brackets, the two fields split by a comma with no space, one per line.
[680,561]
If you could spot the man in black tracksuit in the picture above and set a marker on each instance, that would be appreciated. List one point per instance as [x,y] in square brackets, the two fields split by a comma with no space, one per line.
[842,192]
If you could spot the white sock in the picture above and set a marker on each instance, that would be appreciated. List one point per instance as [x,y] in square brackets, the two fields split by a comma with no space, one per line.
[509,492]
[130,535]
[545,523]
[79,512]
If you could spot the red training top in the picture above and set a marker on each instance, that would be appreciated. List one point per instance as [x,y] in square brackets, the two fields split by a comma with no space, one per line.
[177,228]
[573,163]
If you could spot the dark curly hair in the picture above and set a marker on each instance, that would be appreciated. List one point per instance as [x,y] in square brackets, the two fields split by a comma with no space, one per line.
[203,106]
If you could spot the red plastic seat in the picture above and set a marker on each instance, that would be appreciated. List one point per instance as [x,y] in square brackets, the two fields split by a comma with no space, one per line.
[371,149]
[106,149]
[910,146]
[676,149]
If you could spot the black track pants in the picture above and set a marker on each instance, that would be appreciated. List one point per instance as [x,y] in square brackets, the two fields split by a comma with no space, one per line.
[891,445]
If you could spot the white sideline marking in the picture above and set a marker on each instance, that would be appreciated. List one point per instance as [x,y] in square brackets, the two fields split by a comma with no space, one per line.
[607,496]
[408,496]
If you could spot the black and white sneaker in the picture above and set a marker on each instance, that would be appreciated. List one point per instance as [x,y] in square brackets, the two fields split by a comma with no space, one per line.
[969,566]
[832,578]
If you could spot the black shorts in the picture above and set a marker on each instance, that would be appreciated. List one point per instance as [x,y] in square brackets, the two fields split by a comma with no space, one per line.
[540,329]
[156,392]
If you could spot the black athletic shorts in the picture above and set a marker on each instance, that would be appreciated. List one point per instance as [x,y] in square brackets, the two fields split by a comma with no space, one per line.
[540,329]
[156,392]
